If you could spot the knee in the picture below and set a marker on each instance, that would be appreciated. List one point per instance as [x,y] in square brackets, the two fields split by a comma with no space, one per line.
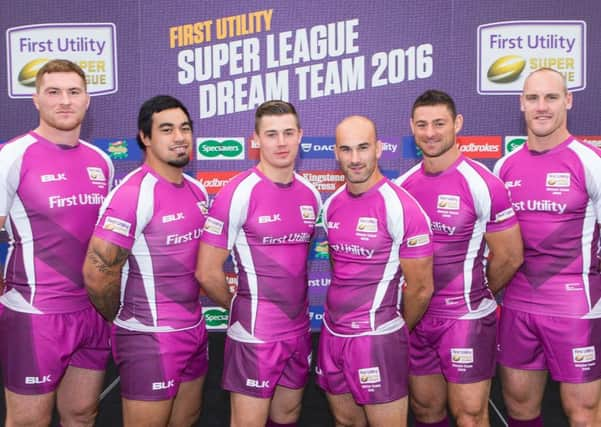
[189,419]
[83,415]
[428,411]
[27,419]
[344,420]
[472,419]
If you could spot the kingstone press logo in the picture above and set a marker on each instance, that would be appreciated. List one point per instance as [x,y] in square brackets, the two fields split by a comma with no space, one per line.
[92,46]
[220,148]
[512,143]
[509,51]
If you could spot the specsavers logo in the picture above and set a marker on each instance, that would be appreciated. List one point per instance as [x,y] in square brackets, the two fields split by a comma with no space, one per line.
[215,317]
[512,143]
[220,148]
[509,51]
[92,46]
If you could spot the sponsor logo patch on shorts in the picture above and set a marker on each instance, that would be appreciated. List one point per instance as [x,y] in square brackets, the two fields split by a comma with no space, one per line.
[369,375]
[584,354]
[116,225]
[462,355]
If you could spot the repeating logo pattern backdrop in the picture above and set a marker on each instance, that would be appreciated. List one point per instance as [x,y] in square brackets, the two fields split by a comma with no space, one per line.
[222,59]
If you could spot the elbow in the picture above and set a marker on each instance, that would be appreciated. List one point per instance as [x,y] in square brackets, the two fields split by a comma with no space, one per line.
[516,258]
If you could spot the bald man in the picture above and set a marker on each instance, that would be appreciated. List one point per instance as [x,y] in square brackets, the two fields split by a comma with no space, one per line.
[551,318]
[378,236]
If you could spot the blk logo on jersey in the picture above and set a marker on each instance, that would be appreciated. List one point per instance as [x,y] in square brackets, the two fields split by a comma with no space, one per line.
[53,177]
[266,219]
[173,217]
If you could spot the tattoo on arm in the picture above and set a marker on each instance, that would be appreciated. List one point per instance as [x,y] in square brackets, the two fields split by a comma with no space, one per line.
[108,263]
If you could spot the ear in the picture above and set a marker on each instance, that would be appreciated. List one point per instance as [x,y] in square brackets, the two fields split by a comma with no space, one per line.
[522,107]
[411,125]
[378,149]
[144,138]
[569,101]
[36,101]
[458,123]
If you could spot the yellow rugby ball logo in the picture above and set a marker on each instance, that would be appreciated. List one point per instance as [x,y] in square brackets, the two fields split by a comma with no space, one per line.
[30,70]
[506,69]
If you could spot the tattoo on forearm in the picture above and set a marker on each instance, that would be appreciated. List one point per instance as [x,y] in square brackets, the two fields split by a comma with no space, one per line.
[109,264]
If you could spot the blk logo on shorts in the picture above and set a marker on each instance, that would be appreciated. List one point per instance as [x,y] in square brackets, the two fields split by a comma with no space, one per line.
[38,380]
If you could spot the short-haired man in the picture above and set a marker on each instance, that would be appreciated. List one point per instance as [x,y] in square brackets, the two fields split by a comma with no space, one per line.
[141,262]
[377,236]
[453,348]
[53,343]
[266,216]
[551,318]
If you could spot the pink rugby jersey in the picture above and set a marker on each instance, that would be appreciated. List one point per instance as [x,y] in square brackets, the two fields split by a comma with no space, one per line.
[160,223]
[50,195]
[367,234]
[556,195]
[269,227]
[463,202]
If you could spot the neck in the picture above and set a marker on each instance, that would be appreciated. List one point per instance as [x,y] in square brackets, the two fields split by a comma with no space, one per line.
[357,188]
[547,142]
[280,175]
[170,173]
[57,136]
[441,163]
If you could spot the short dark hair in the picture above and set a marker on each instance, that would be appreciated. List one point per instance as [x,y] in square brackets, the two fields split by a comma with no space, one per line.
[156,104]
[275,108]
[433,97]
[59,66]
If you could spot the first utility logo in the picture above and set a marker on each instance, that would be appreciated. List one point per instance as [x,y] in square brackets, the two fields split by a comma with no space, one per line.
[220,148]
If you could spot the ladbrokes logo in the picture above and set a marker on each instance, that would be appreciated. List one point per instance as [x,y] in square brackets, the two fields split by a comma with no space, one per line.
[220,148]
[509,51]
[214,181]
[480,147]
[325,181]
